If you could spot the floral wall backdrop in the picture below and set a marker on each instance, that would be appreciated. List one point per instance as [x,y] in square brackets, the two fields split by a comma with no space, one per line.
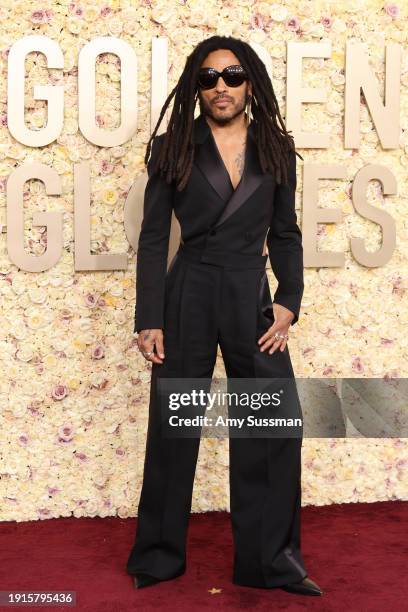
[74,389]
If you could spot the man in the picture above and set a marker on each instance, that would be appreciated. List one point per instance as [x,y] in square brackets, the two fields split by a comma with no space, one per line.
[231,183]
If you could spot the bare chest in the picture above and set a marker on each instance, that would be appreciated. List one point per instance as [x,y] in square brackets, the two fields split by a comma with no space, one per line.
[232,155]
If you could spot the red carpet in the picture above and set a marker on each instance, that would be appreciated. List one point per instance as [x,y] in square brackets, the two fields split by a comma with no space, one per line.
[357,553]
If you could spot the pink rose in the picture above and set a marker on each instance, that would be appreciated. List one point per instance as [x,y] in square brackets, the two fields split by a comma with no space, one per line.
[293,24]
[392,10]
[59,392]
[66,433]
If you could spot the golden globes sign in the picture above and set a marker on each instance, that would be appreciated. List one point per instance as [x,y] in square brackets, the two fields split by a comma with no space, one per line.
[358,76]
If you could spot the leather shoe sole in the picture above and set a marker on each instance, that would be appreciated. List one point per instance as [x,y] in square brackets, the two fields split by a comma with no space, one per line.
[144,580]
[303,587]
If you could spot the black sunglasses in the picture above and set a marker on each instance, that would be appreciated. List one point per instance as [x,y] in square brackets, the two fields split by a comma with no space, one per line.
[233,76]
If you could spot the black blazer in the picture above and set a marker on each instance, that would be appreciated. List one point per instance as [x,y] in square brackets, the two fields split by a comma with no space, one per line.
[214,216]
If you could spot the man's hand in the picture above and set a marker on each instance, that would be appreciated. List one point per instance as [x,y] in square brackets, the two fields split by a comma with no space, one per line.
[283,318]
[148,340]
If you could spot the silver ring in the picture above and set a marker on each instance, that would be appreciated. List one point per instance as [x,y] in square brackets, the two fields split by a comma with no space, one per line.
[147,354]
[278,335]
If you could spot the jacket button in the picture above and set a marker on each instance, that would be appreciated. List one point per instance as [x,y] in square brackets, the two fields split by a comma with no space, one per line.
[213,232]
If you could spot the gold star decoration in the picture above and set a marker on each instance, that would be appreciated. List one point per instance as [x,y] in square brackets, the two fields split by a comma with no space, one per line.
[213,591]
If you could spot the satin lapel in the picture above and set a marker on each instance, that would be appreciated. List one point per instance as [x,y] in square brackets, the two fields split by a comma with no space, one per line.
[206,157]
[208,160]
[251,179]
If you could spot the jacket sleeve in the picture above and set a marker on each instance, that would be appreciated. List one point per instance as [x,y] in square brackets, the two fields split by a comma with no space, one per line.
[284,243]
[153,245]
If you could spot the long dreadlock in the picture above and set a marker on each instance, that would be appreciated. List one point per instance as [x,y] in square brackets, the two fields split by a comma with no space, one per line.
[176,155]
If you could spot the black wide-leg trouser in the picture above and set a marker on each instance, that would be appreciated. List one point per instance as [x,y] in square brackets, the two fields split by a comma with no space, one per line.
[220,299]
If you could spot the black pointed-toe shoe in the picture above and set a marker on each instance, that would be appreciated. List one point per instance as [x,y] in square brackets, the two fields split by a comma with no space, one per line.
[303,587]
[144,580]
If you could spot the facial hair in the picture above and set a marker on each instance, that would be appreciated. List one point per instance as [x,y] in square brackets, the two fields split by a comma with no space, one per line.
[206,108]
